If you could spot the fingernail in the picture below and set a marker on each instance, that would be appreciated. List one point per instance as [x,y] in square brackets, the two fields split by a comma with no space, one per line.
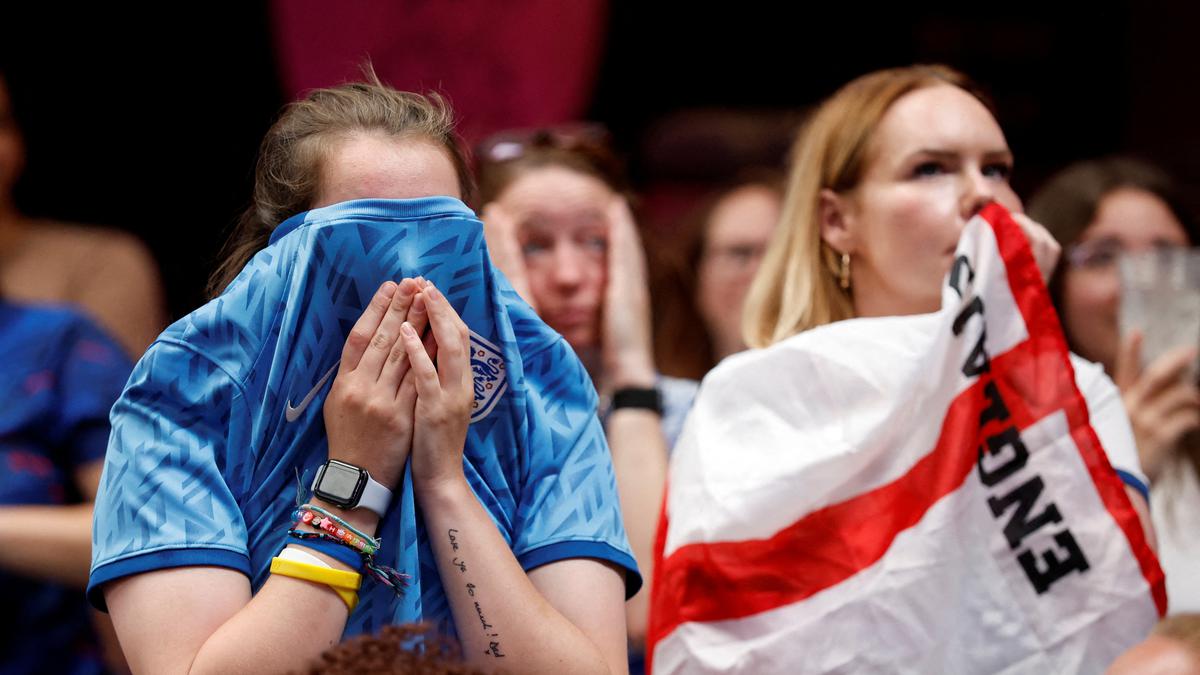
[418,303]
[407,329]
[433,291]
[387,287]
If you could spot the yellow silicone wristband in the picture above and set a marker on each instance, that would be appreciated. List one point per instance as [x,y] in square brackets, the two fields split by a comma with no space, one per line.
[345,584]
[348,596]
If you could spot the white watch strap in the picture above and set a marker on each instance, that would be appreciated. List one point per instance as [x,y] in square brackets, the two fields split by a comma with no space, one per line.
[375,497]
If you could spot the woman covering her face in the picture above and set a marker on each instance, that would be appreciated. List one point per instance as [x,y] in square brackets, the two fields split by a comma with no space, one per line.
[884,179]
[252,513]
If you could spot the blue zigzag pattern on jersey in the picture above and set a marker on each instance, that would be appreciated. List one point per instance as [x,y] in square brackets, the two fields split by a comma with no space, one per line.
[202,457]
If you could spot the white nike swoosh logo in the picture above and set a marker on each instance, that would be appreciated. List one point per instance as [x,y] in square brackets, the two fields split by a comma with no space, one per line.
[292,414]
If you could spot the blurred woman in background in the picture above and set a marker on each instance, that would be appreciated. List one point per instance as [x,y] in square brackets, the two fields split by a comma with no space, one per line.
[704,272]
[1099,210]
[109,274]
[61,375]
[558,222]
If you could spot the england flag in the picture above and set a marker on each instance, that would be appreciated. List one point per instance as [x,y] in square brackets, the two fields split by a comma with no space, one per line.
[921,494]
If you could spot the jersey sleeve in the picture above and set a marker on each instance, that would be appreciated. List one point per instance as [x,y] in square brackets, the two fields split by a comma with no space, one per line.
[568,504]
[92,372]
[1107,413]
[166,497]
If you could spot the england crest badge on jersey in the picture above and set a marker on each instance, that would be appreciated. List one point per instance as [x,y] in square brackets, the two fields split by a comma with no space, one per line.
[491,379]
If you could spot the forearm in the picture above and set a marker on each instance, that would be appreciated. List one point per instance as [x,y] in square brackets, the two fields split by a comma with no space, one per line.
[503,621]
[203,619]
[50,543]
[292,620]
[284,628]
[639,453]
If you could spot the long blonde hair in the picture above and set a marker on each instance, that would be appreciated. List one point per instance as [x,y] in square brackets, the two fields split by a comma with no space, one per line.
[796,288]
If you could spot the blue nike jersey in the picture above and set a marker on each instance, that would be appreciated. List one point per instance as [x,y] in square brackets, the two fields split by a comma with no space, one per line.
[59,376]
[216,437]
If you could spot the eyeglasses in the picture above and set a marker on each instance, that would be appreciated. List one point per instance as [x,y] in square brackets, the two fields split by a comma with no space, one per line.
[585,137]
[1101,255]
[735,257]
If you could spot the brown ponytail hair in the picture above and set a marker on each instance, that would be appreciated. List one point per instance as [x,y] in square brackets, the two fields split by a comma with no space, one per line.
[288,173]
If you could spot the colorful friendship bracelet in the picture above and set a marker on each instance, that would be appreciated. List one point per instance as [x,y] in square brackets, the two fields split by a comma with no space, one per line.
[338,528]
[397,581]
[345,584]
[334,530]
[339,521]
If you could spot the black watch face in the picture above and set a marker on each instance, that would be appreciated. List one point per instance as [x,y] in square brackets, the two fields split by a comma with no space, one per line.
[339,484]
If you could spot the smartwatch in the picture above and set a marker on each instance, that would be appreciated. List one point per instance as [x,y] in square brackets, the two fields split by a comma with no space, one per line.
[350,487]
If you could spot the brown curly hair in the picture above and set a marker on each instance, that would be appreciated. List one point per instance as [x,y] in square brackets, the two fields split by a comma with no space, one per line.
[393,652]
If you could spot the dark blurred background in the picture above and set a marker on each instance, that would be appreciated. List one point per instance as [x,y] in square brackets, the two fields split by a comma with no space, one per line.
[149,122]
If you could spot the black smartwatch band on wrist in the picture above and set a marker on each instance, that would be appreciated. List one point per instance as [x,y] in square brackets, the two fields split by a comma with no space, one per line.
[638,397]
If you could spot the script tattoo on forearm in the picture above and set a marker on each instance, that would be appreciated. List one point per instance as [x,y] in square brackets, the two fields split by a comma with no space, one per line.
[494,649]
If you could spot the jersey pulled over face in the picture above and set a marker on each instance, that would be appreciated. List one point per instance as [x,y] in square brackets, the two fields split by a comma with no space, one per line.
[220,430]
[563,232]
[936,158]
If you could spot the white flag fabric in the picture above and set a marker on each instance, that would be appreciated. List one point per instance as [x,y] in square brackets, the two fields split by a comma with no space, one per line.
[920,494]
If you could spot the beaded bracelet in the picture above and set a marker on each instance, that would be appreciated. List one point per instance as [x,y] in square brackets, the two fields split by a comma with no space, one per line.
[344,532]
[397,581]
[338,531]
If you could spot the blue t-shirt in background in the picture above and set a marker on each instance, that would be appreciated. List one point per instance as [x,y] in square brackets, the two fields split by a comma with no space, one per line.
[209,451]
[59,376]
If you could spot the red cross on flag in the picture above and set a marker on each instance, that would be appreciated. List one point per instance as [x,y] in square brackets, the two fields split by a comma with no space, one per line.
[919,494]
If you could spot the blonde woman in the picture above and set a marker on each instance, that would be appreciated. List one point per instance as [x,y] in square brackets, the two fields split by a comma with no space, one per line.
[822,513]
[883,181]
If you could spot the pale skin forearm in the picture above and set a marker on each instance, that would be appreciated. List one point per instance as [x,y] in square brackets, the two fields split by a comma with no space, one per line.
[219,627]
[55,541]
[291,622]
[502,620]
[51,543]
[639,453]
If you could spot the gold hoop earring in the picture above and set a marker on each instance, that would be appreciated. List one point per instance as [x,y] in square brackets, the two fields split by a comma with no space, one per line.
[844,272]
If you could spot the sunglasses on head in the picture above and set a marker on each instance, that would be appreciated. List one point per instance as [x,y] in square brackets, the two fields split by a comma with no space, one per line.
[582,137]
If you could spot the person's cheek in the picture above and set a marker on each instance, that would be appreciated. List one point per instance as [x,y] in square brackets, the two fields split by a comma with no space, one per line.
[1008,198]
[1090,313]
[597,281]
[539,275]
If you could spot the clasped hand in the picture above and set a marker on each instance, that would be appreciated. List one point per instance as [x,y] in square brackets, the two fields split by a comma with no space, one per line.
[399,395]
